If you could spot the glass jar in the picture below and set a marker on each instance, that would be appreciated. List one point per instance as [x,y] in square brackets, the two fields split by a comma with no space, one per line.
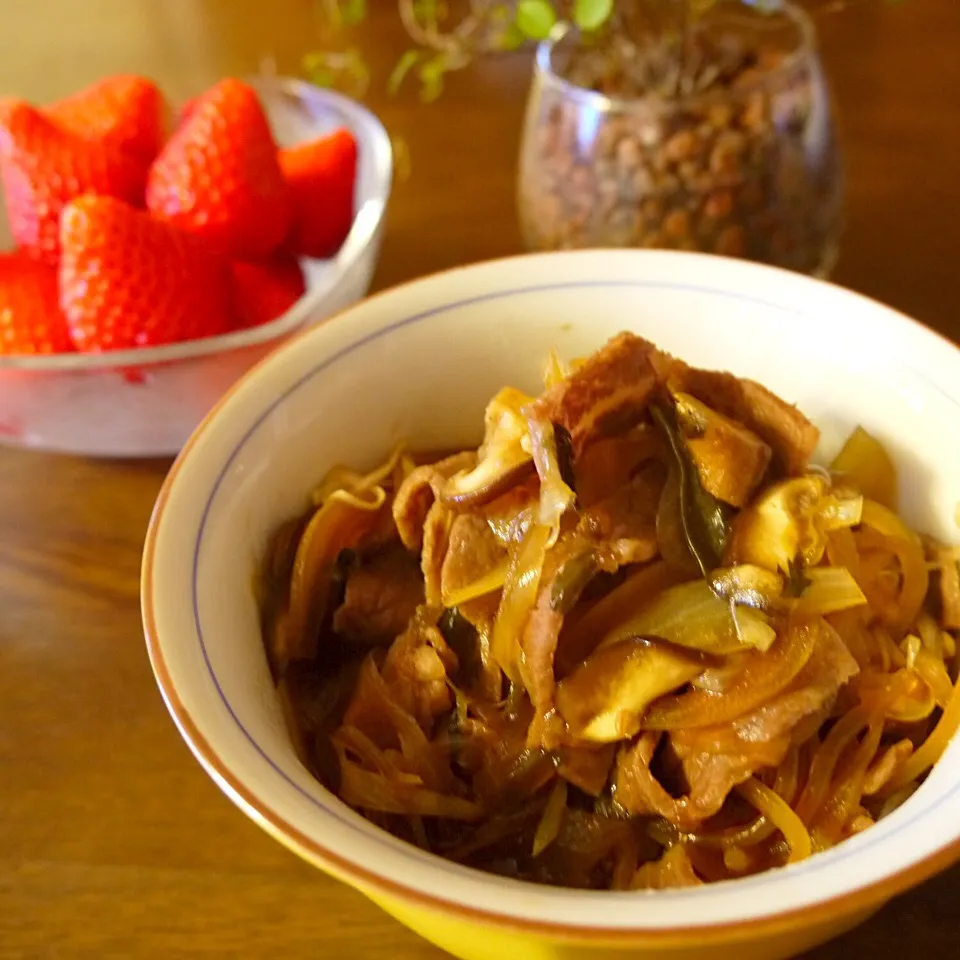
[744,162]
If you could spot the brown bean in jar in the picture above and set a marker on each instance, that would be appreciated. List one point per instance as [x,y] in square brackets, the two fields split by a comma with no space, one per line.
[745,165]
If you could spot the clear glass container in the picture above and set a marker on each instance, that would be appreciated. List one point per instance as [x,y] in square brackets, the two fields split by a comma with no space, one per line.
[743,162]
[145,402]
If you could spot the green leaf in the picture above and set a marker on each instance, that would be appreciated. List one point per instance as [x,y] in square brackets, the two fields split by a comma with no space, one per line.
[512,39]
[535,18]
[404,65]
[352,12]
[703,517]
[591,14]
[431,78]
[322,77]
[427,12]
[315,66]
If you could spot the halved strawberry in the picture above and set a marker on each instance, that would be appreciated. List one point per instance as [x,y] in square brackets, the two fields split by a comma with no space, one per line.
[124,111]
[128,280]
[219,178]
[321,174]
[267,289]
[44,167]
[30,317]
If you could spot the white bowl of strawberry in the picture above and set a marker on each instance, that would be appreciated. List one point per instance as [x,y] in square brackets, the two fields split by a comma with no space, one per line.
[152,270]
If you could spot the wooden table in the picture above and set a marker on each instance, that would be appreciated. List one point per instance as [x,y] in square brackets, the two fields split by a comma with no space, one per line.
[113,843]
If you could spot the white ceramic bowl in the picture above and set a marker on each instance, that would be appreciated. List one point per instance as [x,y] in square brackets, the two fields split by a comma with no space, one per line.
[419,362]
[135,403]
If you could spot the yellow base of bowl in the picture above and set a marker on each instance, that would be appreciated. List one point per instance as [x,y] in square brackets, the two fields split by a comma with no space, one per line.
[472,940]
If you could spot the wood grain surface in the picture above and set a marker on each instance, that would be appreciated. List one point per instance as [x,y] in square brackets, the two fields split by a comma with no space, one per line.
[113,842]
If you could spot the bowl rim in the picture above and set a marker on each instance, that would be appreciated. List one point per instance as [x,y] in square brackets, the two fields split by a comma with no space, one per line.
[366,222]
[864,897]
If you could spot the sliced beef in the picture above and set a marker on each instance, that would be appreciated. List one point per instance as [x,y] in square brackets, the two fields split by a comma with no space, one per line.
[380,598]
[587,767]
[419,490]
[436,539]
[416,670]
[607,394]
[608,463]
[730,459]
[539,644]
[710,777]
[569,567]
[626,520]
[715,759]
[509,515]
[788,433]
[472,552]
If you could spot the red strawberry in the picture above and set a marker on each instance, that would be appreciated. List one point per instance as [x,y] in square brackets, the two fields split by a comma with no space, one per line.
[124,111]
[127,280]
[321,175]
[183,114]
[219,178]
[30,317]
[44,167]
[265,290]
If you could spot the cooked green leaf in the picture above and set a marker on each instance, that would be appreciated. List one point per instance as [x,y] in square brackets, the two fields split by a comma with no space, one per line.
[703,516]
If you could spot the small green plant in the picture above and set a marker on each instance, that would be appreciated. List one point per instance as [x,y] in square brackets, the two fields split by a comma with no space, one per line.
[448,35]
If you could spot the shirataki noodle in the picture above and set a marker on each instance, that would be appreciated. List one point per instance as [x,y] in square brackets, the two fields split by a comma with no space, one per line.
[635,640]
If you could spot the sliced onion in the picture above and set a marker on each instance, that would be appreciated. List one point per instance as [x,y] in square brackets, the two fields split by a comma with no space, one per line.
[554,370]
[555,494]
[579,640]
[930,751]
[373,791]
[778,812]
[934,674]
[909,552]
[830,590]
[348,486]
[552,820]
[692,615]
[761,677]
[332,529]
[519,597]
[491,581]
[864,461]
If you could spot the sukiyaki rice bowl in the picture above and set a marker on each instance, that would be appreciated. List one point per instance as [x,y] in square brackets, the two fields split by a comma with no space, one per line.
[588,604]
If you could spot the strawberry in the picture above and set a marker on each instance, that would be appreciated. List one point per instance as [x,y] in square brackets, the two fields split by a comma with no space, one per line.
[183,114]
[321,175]
[44,167]
[124,111]
[219,178]
[30,317]
[265,290]
[127,280]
